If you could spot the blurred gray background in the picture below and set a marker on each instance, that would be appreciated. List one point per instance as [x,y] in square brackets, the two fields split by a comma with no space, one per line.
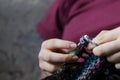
[19,41]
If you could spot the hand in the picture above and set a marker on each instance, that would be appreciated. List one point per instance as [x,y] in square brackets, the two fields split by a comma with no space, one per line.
[54,52]
[109,45]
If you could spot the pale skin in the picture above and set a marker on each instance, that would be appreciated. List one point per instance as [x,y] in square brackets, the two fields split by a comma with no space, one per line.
[55,51]
[109,41]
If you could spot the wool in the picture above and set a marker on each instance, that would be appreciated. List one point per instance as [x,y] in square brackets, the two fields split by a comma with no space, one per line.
[92,68]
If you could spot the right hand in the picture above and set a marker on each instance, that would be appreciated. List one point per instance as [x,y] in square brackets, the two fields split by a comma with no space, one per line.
[109,45]
[54,52]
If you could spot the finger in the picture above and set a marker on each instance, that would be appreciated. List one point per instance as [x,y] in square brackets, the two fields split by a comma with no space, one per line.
[91,46]
[117,66]
[66,51]
[63,51]
[115,58]
[48,67]
[104,36]
[58,44]
[107,48]
[58,57]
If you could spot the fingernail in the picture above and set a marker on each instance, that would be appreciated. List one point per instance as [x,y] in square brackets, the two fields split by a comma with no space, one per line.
[73,45]
[117,66]
[75,58]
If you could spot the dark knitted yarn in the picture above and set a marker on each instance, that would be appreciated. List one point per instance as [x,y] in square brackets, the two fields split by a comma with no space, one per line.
[93,68]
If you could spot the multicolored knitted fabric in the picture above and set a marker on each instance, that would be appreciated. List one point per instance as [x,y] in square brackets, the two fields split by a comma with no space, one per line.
[92,68]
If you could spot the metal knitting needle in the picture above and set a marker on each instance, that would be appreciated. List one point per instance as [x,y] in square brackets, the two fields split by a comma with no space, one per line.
[84,41]
[90,40]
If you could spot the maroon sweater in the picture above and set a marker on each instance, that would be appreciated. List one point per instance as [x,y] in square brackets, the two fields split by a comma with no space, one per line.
[70,19]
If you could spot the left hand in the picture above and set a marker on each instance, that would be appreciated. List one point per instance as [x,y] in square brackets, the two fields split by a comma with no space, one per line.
[109,45]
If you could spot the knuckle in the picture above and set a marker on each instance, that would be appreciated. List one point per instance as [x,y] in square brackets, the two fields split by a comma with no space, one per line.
[40,56]
[100,37]
[43,56]
[44,43]
[103,32]
[55,41]
[61,43]
[47,58]
[41,65]
[48,43]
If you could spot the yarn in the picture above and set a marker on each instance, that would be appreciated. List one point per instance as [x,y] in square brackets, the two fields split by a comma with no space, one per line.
[92,68]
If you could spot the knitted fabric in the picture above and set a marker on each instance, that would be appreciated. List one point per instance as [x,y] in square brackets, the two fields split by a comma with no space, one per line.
[92,68]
